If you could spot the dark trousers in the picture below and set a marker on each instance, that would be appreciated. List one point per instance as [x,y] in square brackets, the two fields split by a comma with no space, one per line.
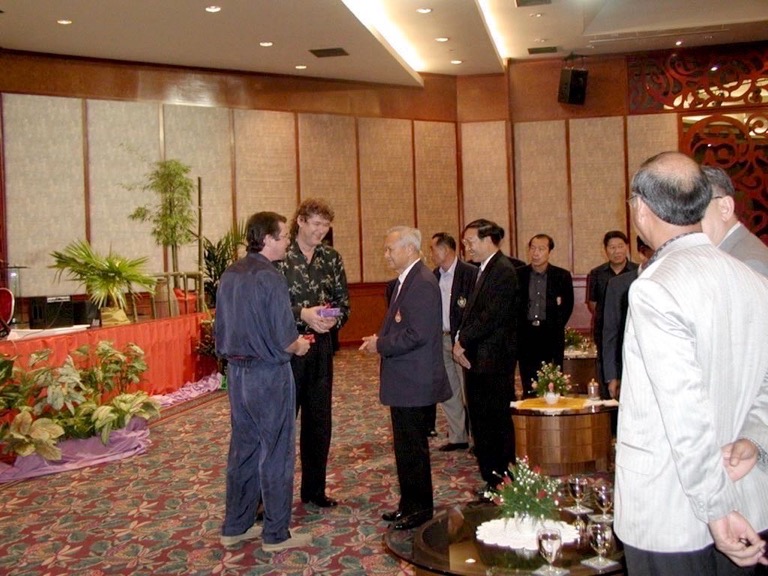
[313,373]
[537,344]
[261,458]
[488,398]
[706,562]
[414,471]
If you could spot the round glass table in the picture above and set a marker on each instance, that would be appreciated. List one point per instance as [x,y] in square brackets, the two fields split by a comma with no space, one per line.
[447,545]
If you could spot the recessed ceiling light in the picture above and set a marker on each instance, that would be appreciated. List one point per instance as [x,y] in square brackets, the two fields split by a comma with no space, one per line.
[441,39]
[457,61]
[213,9]
[265,44]
[64,22]
[714,68]
[679,43]
[535,14]
[300,67]
[423,10]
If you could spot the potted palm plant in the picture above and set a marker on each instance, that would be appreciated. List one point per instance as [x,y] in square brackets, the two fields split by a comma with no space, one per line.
[106,278]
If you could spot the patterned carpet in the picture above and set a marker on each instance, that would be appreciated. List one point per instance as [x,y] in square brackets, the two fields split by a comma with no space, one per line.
[161,512]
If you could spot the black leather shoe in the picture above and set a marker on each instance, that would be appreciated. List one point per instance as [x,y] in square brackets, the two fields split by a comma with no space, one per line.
[413,520]
[432,433]
[450,447]
[392,516]
[321,501]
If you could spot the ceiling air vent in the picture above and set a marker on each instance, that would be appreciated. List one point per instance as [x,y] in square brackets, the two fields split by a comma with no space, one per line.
[329,52]
[529,3]
[542,50]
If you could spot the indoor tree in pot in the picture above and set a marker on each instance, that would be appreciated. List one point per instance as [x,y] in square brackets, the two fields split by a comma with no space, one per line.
[106,278]
[173,216]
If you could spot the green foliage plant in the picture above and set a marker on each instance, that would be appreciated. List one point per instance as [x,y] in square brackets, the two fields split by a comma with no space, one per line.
[77,398]
[172,216]
[105,278]
[218,256]
[528,492]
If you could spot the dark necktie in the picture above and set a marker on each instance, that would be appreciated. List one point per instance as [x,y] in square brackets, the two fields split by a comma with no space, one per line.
[395,290]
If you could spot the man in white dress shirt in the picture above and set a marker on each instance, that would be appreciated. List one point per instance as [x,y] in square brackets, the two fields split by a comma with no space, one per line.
[691,467]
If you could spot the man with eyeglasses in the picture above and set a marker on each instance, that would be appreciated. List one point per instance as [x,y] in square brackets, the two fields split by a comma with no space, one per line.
[723,227]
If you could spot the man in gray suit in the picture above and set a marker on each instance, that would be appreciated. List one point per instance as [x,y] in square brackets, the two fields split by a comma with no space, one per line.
[695,380]
[723,227]
[412,374]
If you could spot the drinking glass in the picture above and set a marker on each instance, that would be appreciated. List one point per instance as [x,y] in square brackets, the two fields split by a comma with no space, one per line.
[601,539]
[550,542]
[603,493]
[578,487]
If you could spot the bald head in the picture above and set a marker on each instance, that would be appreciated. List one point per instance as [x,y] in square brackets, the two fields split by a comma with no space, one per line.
[674,188]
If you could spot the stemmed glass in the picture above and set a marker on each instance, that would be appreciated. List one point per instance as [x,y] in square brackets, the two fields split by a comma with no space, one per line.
[601,540]
[603,493]
[550,542]
[578,487]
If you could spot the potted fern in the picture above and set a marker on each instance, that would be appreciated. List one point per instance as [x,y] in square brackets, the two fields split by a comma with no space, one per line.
[106,278]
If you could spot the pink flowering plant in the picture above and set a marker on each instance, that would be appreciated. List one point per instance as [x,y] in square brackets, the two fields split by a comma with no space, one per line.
[527,492]
[549,378]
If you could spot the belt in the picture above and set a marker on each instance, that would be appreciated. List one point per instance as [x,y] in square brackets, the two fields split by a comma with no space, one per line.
[535,322]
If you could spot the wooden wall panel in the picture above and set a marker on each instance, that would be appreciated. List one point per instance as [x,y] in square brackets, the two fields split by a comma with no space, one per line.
[123,140]
[266,174]
[386,188]
[482,98]
[542,187]
[534,85]
[485,171]
[44,185]
[437,204]
[597,187]
[77,77]
[328,169]
[369,305]
[200,137]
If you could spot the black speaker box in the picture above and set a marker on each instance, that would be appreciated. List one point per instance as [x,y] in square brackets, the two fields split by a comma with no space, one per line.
[85,312]
[573,86]
[50,312]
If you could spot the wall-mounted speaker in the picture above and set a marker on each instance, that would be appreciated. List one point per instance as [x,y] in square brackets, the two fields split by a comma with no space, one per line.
[573,86]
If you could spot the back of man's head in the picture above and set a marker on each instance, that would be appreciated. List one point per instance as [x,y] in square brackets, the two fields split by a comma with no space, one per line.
[674,188]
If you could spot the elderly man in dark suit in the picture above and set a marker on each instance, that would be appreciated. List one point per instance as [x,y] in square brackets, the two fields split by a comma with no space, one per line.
[486,346]
[412,374]
[457,280]
[546,304]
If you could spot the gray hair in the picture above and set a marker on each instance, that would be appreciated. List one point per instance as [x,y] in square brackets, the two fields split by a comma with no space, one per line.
[674,187]
[408,236]
[719,180]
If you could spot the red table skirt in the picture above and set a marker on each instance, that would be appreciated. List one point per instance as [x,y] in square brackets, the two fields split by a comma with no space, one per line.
[168,344]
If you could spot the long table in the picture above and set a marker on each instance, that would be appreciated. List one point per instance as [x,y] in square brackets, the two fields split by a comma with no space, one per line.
[168,344]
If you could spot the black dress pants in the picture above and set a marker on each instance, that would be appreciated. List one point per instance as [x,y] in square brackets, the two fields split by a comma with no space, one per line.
[488,398]
[414,470]
[313,374]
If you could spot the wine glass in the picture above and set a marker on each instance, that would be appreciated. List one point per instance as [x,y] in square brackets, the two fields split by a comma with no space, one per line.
[601,539]
[578,487]
[550,542]
[603,493]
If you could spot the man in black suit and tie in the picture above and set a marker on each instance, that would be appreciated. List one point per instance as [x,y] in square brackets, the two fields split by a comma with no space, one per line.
[546,304]
[412,374]
[486,346]
[457,280]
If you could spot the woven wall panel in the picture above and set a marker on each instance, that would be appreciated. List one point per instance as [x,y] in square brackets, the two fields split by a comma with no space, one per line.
[597,187]
[542,187]
[265,148]
[328,169]
[43,186]
[647,136]
[485,174]
[123,142]
[200,137]
[437,205]
[386,188]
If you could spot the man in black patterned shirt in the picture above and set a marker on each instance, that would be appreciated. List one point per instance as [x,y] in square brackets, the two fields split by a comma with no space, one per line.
[317,285]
